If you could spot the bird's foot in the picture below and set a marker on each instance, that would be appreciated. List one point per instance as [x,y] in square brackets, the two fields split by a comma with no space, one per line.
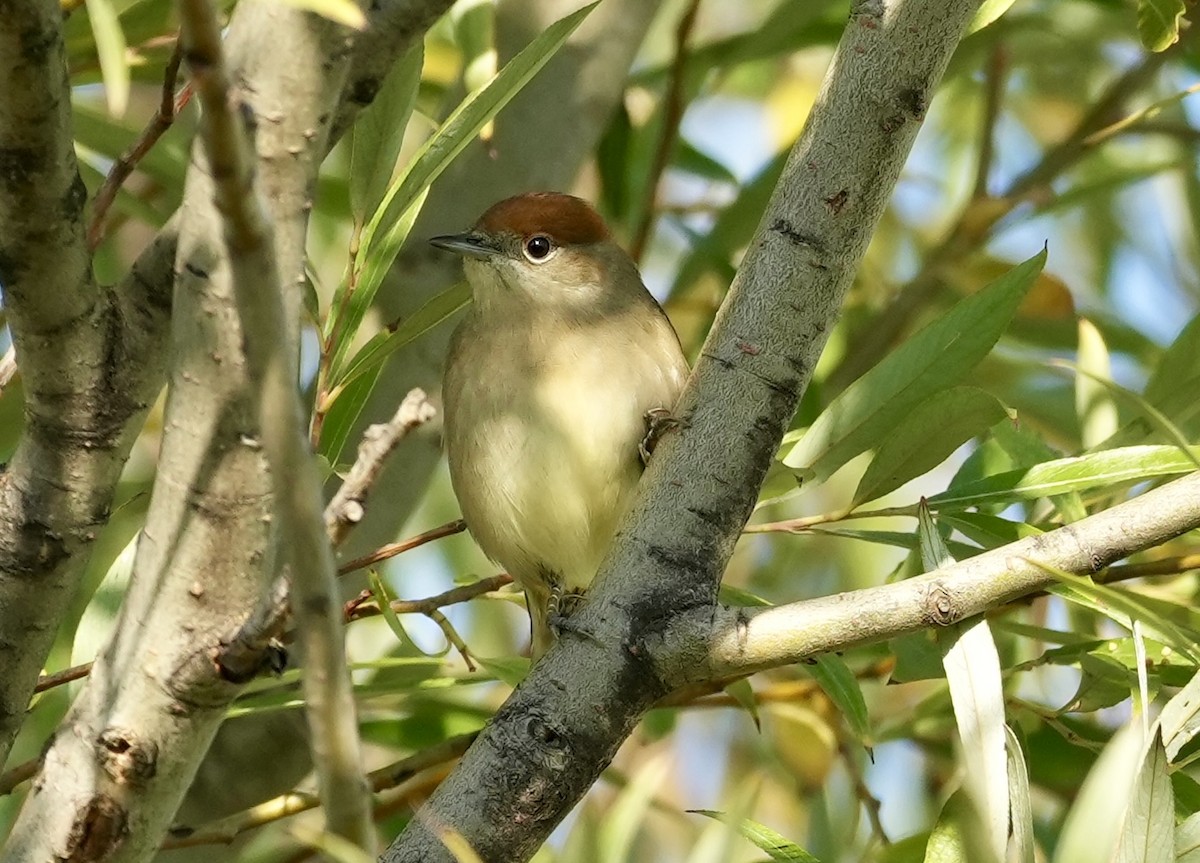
[659,421]
[558,614]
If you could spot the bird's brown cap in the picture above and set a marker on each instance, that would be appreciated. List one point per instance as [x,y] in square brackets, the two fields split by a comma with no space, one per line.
[565,219]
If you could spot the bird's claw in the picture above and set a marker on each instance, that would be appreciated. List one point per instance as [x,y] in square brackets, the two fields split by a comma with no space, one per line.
[659,421]
[558,614]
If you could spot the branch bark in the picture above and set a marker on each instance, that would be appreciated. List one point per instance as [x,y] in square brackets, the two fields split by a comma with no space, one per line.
[549,742]
[91,359]
[114,777]
[704,645]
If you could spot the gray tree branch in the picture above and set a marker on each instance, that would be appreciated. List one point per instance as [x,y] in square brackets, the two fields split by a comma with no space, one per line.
[91,359]
[113,780]
[272,375]
[704,645]
[545,747]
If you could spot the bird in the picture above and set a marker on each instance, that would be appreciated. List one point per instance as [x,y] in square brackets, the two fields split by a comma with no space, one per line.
[558,381]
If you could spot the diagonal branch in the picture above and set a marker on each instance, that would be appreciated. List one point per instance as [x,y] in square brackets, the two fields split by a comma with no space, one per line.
[548,743]
[91,361]
[271,370]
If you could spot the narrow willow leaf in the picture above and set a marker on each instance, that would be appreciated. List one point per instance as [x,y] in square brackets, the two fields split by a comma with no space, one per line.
[840,684]
[1026,450]
[384,601]
[1180,718]
[976,685]
[977,693]
[989,11]
[1021,844]
[363,293]
[743,693]
[1179,366]
[1080,473]
[378,134]
[1093,823]
[1124,607]
[388,227]
[1187,840]
[343,416]
[1094,406]
[935,358]
[1148,829]
[957,835]
[624,818]
[776,846]
[926,436]
[1158,22]
[381,346]
[1152,415]
[111,49]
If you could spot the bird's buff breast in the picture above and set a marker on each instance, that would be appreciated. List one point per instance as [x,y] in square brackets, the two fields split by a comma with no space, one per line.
[545,463]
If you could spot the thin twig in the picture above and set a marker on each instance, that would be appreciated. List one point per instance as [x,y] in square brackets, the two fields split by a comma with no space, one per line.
[364,605]
[168,108]
[404,772]
[978,220]
[993,89]
[392,549]
[672,115]
[346,509]
[58,678]
[23,772]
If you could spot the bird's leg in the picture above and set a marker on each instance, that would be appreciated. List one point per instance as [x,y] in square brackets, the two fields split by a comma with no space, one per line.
[659,421]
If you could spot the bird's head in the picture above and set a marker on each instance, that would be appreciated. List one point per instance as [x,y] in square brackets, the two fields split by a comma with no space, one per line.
[544,249]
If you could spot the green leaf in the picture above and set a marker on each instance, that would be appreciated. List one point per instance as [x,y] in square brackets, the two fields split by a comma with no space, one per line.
[934,553]
[1092,825]
[764,838]
[977,693]
[1158,22]
[111,48]
[381,346]
[379,133]
[1021,808]
[384,601]
[840,684]
[508,669]
[625,816]
[1124,607]
[990,531]
[1180,718]
[938,356]
[988,12]
[1080,473]
[1179,368]
[1187,840]
[956,838]
[926,437]
[743,693]
[388,228]
[1094,406]
[1148,829]
[343,415]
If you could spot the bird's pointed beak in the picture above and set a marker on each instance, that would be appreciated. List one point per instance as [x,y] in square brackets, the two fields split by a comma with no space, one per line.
[471,243]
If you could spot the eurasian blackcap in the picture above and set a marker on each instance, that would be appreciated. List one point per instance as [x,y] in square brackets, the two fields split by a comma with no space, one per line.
[562,363]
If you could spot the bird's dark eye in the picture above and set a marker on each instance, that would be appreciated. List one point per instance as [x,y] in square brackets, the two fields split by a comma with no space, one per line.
[537,248]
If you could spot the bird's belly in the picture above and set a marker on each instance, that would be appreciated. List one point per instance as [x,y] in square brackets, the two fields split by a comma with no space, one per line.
[548,474]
